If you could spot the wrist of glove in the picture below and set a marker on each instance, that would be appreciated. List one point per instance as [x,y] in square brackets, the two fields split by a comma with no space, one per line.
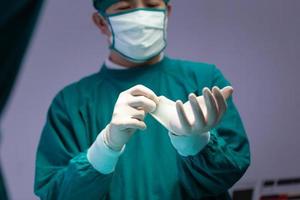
[101,156]
[114,139]
[189,145]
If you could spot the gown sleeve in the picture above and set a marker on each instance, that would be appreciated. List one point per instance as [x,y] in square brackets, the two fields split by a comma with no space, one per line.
[223,161]
[62,169]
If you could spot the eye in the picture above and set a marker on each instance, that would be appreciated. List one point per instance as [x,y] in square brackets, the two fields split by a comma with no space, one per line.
[118,7]
[153,5]
[124,7]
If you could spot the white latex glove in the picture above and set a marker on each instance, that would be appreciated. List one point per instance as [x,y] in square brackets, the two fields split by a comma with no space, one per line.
[128,115]
[198,115]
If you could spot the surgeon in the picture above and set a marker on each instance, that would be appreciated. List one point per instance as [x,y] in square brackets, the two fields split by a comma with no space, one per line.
[145,126]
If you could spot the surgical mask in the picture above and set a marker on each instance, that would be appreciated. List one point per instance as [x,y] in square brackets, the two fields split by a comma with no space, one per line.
[138,34]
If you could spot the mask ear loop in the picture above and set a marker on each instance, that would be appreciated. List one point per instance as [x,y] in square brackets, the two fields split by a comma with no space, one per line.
[111,38]
[166,25]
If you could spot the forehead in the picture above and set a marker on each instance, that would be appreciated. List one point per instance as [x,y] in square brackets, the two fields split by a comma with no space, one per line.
[114,7]
[134,1]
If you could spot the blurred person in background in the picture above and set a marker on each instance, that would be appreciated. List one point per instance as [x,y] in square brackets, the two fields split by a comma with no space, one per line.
[17,23]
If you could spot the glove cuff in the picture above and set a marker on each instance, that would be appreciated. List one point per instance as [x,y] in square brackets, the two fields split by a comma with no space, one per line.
[101,157]
[189,145]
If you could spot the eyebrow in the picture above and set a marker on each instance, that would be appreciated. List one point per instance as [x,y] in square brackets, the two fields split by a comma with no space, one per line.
[146,1]
[132,0]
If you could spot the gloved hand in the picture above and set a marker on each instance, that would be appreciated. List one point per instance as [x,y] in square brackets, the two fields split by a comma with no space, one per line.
[198,115]
[128,115]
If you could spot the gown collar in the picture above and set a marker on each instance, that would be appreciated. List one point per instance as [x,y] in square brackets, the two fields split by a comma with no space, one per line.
[113,66]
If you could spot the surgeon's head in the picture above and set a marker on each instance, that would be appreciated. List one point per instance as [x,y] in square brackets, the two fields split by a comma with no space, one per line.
[135,29]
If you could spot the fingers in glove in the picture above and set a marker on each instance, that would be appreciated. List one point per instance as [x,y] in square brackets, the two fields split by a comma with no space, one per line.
[132,123]
[138,114]
[212,110]
[146,104]
[140,90]
[222,105]
[227,92]
[198,114]
[182,115]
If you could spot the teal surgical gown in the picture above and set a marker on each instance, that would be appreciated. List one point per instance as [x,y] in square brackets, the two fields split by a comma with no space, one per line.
[150,167]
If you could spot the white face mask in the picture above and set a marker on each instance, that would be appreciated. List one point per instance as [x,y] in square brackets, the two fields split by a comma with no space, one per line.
[139,34]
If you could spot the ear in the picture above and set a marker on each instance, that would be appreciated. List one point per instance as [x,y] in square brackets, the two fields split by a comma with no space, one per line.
[169,9]
[101,23]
